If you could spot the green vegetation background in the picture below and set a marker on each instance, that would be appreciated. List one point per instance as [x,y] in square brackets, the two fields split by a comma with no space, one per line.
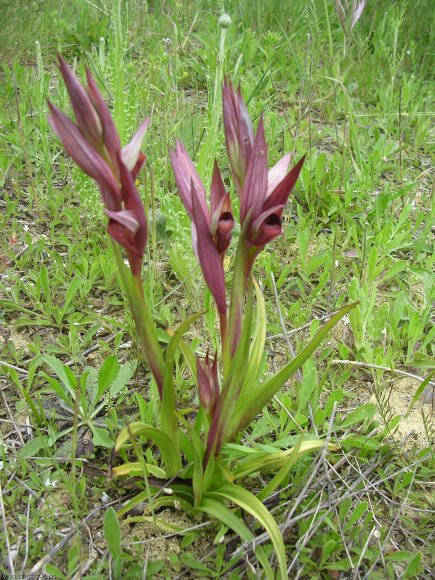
[360,227]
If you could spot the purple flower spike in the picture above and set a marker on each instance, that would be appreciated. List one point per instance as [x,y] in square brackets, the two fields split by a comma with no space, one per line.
[93,142]
[263,193]
[211,230]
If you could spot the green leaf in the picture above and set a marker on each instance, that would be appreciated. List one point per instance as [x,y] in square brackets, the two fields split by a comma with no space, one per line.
[138,499]
[259,396]
[400,556]
[220,512]
[71,293]
[101,437]
[256,350]
[265,461]
[279,477]
[392,424]
[170,454]
[24,393]
[60,391]
[371,263]
[189,357]
[52,570]
[423,363]
[45,283]
[136,468]
[342,565]
[419,391]
[198,458]
[20,322]
[395,269]
[33,447]
[64,373]
[32,368]
[360,414]
[112,533]
[414,568]
[357,514]
[189,560]
[308,385]
[124,375]
[361,442]
[335,397]
[252,505]
[169,410]
[327,549]
[107,374]
[12,306]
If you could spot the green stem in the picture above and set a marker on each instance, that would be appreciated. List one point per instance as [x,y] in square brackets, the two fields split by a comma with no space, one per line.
[208,150]
[245,257]
[233,383]
[331,48]
[238,287]
[118,65]
[148,333]
[144,322]
[226,354]
[74,445]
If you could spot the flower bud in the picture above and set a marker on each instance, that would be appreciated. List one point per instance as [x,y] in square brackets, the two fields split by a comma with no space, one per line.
[224,21]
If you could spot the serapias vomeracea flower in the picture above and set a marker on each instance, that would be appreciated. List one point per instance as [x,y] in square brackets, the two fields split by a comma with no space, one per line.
[211,229]
[93,142]
[263,193]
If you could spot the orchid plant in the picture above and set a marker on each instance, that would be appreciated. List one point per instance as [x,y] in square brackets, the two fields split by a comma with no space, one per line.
[201,457]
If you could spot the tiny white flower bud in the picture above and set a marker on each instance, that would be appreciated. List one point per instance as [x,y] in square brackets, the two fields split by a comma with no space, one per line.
[224,21]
